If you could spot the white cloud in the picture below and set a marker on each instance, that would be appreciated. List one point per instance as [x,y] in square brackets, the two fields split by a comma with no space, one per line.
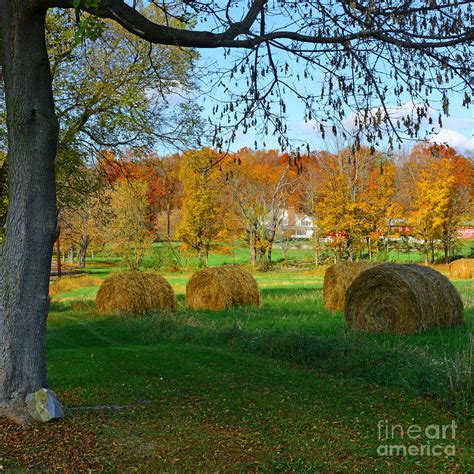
[454,138]
[395,112]
[456,131]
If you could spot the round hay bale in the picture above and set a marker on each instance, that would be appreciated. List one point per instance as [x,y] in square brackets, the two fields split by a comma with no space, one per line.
[401,299]
[135,293]
[219,288]
[462,268]
[337,279]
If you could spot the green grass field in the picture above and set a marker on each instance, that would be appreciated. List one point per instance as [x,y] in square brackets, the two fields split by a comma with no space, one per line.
[299,251]
[281,388]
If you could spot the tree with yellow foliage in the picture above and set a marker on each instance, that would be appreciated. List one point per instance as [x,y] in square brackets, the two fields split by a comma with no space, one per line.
[355,192]
[202,215]
[434,190]
[441,189]
[83,228]
[128,230]
[377,203]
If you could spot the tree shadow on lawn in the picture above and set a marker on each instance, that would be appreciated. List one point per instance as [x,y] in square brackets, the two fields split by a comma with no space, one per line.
[386,360]
[210,407]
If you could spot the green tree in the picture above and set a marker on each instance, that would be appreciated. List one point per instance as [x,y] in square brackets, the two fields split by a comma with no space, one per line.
[115,90]
[109,93]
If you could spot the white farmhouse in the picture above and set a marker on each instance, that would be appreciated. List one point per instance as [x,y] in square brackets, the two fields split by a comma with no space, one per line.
[301,226]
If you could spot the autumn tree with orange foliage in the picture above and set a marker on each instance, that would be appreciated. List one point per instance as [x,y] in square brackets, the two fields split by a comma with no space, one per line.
[259,185]
[438,186]
[164,193]
[164,187]
[355,192]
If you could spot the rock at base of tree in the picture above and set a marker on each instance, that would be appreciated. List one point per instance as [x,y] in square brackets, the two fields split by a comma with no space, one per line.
[43,405]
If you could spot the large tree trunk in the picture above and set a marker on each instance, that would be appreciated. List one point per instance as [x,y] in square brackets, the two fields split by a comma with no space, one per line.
[25,257]
[269,251]
[82,257]
[3,189]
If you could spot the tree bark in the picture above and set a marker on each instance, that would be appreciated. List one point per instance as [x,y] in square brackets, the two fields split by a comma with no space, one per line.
[86,240]
[350,249]
[58,257]
[82,257]
[253,250]
[271,240]
[426,252]
[25,256]
[446,247]
[3,190]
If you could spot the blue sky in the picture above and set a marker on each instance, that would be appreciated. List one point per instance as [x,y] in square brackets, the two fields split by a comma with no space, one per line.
[457,129]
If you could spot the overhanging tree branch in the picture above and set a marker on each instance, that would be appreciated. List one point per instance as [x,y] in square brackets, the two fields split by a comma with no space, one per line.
[138,24]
